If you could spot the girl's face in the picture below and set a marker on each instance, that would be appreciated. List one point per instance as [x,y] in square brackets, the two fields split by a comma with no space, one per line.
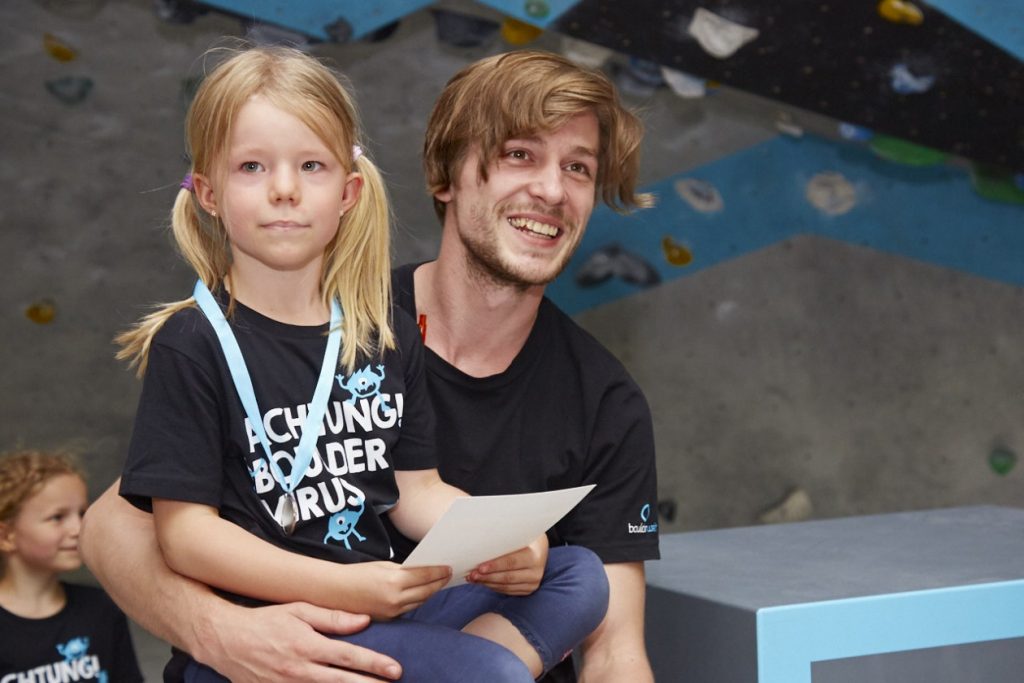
[279,191]
[44,535]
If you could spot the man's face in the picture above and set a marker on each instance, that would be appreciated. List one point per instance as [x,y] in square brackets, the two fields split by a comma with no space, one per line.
[522,225]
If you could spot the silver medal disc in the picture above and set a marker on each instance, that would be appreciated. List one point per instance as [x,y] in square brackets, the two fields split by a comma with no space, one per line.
[289,513]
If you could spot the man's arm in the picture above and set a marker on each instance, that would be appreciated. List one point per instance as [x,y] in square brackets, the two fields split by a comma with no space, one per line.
[269,643]
[616,650]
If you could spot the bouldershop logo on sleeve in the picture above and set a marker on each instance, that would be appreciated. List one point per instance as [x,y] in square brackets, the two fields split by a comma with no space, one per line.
[643,527]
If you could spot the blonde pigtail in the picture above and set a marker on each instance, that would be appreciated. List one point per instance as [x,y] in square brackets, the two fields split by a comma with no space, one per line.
[207,253]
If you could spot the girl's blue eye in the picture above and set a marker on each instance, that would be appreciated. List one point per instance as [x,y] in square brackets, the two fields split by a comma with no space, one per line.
[311,165]
[251,166]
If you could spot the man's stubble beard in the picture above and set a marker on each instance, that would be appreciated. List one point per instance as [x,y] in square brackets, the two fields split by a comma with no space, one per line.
[483,258]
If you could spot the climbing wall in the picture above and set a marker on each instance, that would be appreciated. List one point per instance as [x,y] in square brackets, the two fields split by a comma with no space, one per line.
[825,308]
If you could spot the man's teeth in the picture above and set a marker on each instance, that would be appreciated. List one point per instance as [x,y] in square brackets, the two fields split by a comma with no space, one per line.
[534,226]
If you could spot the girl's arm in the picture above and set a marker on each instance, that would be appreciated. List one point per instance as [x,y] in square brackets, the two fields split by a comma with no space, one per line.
[197,543]
[423,497]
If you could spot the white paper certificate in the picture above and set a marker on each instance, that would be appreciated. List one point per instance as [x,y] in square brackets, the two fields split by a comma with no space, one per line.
[480,528]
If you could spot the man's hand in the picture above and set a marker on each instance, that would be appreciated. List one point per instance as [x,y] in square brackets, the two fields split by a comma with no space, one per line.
[286,643]
[518,573]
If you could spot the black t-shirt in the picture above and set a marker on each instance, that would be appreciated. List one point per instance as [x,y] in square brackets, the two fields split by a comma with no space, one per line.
[192,440]
[565,413]
[87,640]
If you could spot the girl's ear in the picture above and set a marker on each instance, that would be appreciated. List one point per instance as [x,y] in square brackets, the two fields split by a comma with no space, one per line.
[204,193]
[350,194]
[7,544]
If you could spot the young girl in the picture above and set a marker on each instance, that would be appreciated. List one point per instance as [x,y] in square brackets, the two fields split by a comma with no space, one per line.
[52,631]
[267,463]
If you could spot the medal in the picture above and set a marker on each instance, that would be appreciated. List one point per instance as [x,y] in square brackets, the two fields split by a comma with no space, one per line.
[288,505]
[289,508]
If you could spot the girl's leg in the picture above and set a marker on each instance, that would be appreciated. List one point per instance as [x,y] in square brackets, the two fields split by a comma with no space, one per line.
[568,606]
[428,653]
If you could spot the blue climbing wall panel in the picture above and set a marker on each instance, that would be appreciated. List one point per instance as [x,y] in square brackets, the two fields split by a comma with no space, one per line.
[927,213]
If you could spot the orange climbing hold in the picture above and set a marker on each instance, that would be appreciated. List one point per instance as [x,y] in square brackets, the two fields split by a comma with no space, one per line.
[900,12]
[41,312]
[57,49]
[675,253]
[517,33]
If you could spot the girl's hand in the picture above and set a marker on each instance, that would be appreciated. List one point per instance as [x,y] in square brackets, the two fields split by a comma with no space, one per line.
[386,590]
[518,573]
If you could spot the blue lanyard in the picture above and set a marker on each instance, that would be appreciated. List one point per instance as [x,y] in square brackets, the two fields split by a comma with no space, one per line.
[243,385]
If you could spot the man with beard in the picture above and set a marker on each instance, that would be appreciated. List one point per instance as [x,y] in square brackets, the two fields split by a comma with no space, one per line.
[518,149]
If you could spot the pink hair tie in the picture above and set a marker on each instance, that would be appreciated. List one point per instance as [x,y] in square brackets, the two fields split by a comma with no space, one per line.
[186,182]
[357,152]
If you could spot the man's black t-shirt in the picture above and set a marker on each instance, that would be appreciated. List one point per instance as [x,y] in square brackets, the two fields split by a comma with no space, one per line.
[88,640]
[565,413]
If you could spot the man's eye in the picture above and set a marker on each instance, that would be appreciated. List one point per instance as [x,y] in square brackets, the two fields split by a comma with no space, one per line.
[519,154]
[579,168]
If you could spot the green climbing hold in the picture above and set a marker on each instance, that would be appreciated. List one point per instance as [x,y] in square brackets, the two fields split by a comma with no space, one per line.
[538,9]
[1002,460]
[903,152]
[996,184]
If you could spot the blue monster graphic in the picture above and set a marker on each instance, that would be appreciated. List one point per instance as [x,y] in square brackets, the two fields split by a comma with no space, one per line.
[343,524]
[74,648]
[364,383]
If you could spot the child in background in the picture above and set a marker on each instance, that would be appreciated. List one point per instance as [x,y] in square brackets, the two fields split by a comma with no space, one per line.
[260,490]
[51,630]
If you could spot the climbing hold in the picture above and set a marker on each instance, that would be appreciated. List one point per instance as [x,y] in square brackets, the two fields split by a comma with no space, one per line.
[903,152]
[639,77]
[383,33]
[57,49]
[462,30]
[683,84]
[70,89]
[1002,460]
[900,12]
[796,507]
[718,36]
[614,261]
[538,9]
[41,312]
[848,131]
[996,184]
[906,83]
[667,510]
[584,53]
[831,193]
[675,253]
[785,124]
[700,195]
[517,33]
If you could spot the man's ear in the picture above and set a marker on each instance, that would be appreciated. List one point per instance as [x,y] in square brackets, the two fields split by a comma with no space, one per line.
[444,196]
[350,194]
[204,193]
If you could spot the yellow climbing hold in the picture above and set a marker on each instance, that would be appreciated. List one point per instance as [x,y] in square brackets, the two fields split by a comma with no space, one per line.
[57,49]
[518,33]
[41,312]
[900,12]
[675,253]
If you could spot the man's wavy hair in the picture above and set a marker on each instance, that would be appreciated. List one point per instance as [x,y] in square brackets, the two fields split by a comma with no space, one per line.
[522,93]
